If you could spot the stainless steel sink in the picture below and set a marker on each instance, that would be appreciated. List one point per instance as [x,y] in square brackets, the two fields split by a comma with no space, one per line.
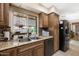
[23,40]
[26,39]
[35,38]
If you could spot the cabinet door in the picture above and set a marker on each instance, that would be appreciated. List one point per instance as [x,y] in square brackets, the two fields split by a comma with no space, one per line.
[1,13]
[38,51]
[56,34]
[54,29]
[26,53]
[43,20]
[9,52]
[6,13]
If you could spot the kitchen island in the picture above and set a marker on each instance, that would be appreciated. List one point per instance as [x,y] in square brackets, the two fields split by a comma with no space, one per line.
[29,48]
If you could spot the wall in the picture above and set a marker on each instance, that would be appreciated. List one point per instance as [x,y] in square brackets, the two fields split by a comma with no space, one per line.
[73,28]
[73,24]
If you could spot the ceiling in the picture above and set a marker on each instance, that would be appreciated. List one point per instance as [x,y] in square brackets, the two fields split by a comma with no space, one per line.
[67,7]
[68,11]
[47,5]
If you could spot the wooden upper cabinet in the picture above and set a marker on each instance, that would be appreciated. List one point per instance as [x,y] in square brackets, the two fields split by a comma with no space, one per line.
[4,13]
[1,12]
[43,20]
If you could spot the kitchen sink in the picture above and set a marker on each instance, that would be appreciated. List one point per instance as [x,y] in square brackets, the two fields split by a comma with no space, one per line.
[26,40]
[22,40]
[35,38]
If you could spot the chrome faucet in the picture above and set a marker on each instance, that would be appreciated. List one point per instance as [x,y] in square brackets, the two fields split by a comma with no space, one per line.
[28,34]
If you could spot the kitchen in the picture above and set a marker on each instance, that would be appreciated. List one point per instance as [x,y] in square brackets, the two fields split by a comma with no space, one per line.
[27,31]
[22,32]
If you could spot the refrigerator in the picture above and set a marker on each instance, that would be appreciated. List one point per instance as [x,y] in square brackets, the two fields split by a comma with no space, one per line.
[64,35]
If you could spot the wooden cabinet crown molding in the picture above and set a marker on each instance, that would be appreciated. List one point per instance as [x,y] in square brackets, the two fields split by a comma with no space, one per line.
[53,13]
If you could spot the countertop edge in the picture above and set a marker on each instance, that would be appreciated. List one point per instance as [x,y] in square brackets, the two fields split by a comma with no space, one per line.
[21,43]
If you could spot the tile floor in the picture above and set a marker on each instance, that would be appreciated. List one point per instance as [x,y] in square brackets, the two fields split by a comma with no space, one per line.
[73,51]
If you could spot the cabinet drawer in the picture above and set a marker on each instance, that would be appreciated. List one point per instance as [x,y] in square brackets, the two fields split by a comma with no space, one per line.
[28,46]
[26,53]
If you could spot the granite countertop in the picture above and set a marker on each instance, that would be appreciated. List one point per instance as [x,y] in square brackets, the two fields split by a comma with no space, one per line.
[11,44]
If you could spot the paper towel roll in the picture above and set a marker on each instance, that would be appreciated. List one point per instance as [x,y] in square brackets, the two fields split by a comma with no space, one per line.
[7,34]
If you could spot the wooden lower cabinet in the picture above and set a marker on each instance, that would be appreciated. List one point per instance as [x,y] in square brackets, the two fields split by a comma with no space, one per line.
[9,52]
[39,50]
[31,49]
[26,53]
[34,49]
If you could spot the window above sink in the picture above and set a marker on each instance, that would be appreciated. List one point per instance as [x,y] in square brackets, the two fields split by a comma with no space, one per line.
[22,22]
